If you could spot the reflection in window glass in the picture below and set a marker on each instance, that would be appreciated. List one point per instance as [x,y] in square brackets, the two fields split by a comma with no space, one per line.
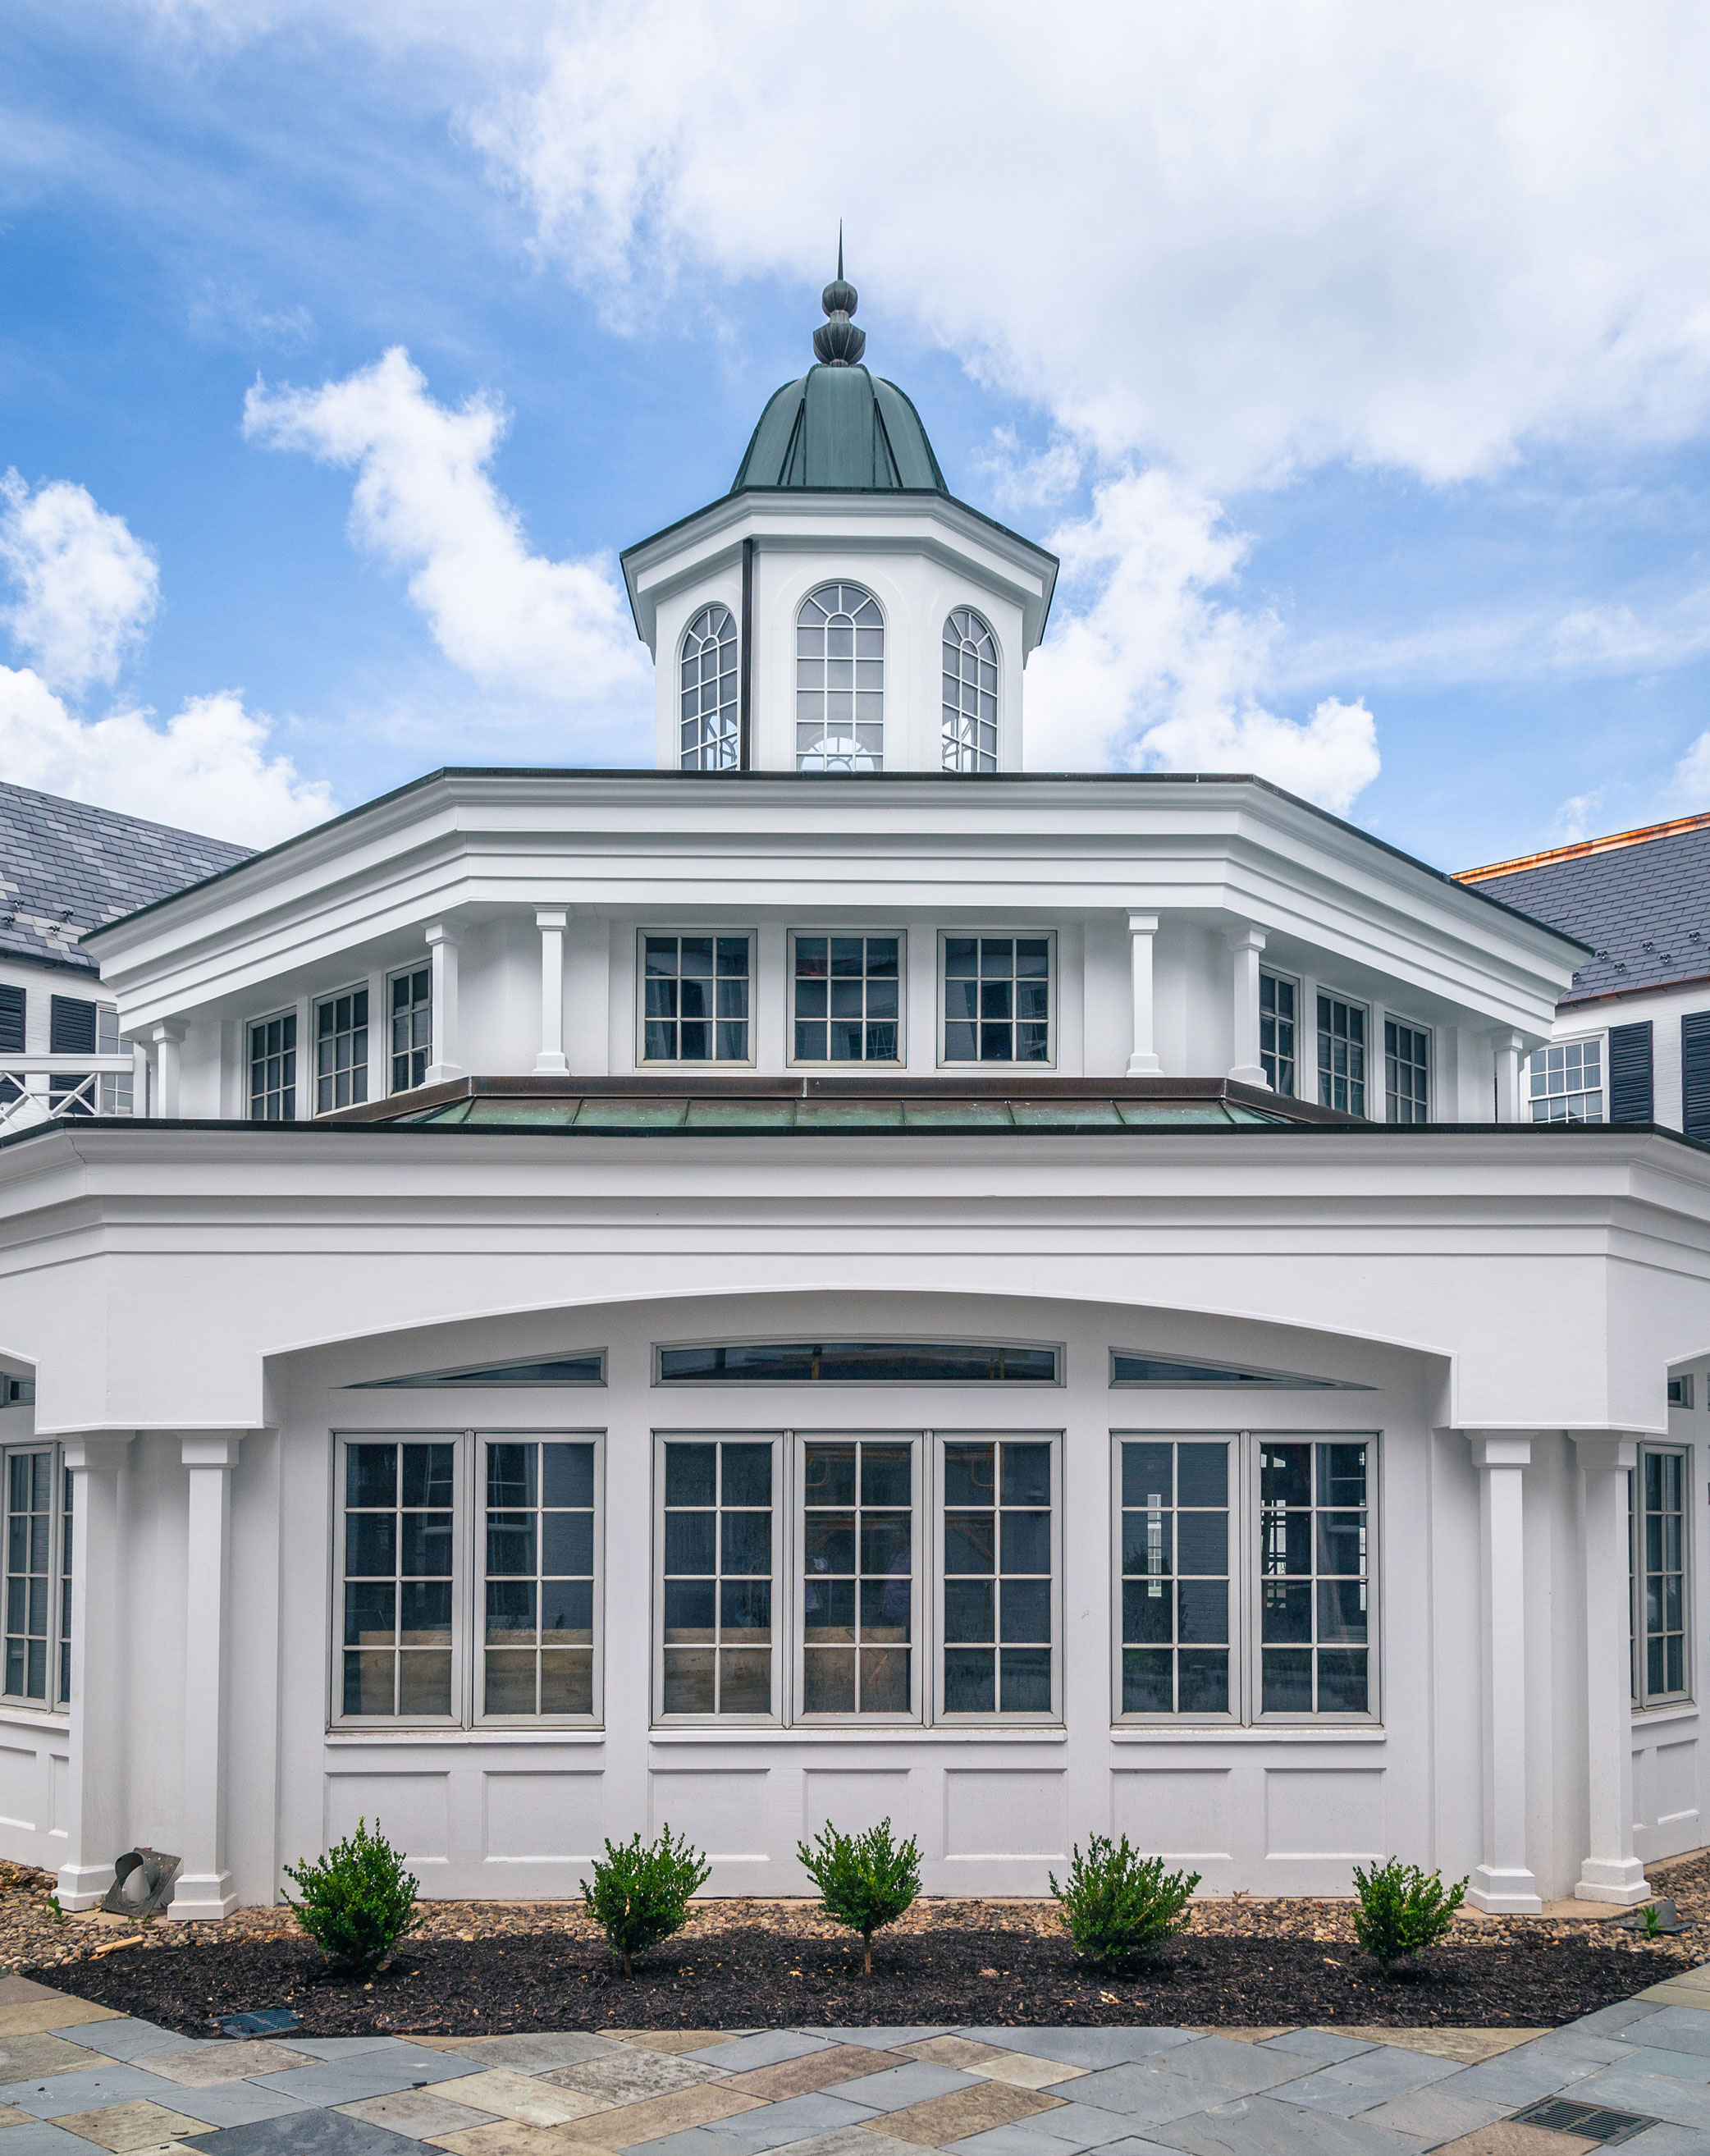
[1406,1072]
[969,694]
[847,998]
[839,680]
[539,1618]
[695,998]
[858,1586]
[65,1586]
[341,1050]
[1342,1054]
[412,1027]
[997,999]
[272,1070]
[709,739]
[997,1543]
[1661,1541]
[718,1577]
[398,1502]
[29,1566]
[858,1362]
[1566,1083]
[1175,1578]
[1315,1583]
[1277,1031]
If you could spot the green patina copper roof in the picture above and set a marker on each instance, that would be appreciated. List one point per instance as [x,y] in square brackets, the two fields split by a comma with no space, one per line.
[838,428]
[688,1114]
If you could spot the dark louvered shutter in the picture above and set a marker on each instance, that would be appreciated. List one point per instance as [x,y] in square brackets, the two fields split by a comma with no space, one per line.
[11,1019]
[71,1026]
[1695,1075]
[1630,1094]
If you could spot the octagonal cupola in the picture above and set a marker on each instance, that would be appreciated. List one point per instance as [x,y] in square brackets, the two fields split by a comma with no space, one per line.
[839,612]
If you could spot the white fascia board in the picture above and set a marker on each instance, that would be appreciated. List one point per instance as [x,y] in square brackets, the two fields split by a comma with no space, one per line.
[789,520]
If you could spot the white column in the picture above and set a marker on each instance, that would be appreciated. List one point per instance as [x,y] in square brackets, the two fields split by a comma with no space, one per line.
[167,1038]
[1610,1872]
[94,1832]
[1507,1047]
[203,1887]
[1504,1884]
[551,923]
[1245,945]
[443,945]
[1144,1062]
[138,1079]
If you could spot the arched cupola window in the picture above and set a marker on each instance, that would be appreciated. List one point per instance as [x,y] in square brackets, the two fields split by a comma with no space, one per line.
[969,693]
[709,732]
[839,680]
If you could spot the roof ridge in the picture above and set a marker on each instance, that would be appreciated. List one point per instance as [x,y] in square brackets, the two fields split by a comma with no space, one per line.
[1579,848]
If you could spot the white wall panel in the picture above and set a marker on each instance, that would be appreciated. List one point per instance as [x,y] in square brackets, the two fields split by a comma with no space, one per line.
[1005,1811]
[413,1808]
[722,1809]
[853,1799]
[542,1816]
[1177,1812]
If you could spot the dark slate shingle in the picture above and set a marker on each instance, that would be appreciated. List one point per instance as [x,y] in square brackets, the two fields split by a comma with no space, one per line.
[65,867]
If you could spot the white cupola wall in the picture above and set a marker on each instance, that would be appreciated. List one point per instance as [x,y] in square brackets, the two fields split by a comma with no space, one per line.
[839,610]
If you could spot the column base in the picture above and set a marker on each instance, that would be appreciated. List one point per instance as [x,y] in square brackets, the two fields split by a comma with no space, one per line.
[438,1073]
[1504,1893]
[1144,1066]
[83,1885]
[1619,1879]
[1249,1073]
[550,1063]
[205,1898]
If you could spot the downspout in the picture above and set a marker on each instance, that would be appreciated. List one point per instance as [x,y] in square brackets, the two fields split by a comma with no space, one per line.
[745,738]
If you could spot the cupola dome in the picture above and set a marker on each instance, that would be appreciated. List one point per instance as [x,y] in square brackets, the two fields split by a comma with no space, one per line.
[838,428]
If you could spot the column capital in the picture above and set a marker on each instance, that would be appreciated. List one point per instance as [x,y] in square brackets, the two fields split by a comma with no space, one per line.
[441,932]
[1497,1448]
[209,1448]
[173,1030]
[1143,924]
[1605,1451]
[551,916]
[1247,937]
[101,1451]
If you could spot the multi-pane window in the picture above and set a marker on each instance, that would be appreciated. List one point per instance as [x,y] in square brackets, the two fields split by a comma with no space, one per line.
[31,1563]
[969,694]
[341,1050]
[115,1093]
[1341,1054]
[273,1069]
[858,1576]
[847,998]
[997,999]
[399,1500]
[1314,1576]
[998,1545]
[839,680]
[539,1653]
[1657,1498]
[717,1546]
[1406,1072]
[695,999]
[412,1027]
[67,1489]
[708,722]
[1175,1579]
[1277,1053]
[1566,1083]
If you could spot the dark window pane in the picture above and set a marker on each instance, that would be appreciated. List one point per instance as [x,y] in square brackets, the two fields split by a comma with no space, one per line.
[1146,1682]
[691,1474]
[1205,1681]
[1342,1680]
[1147,1609]
[1287,1681]
[1203,1611]
[1025,1609]
[1202,1542]
[970,1680]
[566,1542]
[1285,1474]
[1026,1680]
[569,1475]
[968,1609]
[371,1475]
[1286,1611]
[747,1474]
[968,1543]
[1202,1471]
[1026,1475]
[746,1539]
[691,1543]
[968,1475]
[1026,1542]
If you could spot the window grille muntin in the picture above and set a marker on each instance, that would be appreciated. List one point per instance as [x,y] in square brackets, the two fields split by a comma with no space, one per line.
[1341,1046]
[1176,1553]
[708,686]
[1659,1561]
[68,1492]
[1565,1082]
[273,1069]
[840,680]
[697,997]
[1314,1576]
[857,1362]
[34,1568]
[1278,1004]
[399,1517]
[997,995]
[718,1575]
[846,996]
[998,1522]
[540,1542]
[410,1004]
[859,1569]
[341,1049]
[1406,1071]
[969,693]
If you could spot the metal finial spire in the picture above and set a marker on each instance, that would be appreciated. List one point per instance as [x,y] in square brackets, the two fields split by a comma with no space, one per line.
[839,343]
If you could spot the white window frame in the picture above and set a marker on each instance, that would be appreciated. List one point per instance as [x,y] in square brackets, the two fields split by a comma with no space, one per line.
[404,973]
[316,1005]
[56,1694]
[1600,1036]
[643,1061]
[840,583]
[960,1064]
[951,746]
[997,1718]
[1351,1002]
[1645,1700]
[783,1556]
[698,758]
[289,1011]
[1413,1025]
[1246,1612]
[1291,981]
[919,1546]
[899,1061]
[467,1577]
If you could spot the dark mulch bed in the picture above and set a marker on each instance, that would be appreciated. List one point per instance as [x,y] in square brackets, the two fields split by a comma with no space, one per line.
[752,1976]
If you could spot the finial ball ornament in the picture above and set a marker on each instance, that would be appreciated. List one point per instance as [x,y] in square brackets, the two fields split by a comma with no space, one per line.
[837,343]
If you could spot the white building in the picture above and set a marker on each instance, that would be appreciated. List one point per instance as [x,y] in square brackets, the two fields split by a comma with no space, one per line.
[839,1277]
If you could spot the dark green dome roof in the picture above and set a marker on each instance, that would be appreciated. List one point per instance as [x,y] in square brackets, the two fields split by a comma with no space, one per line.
[838,427]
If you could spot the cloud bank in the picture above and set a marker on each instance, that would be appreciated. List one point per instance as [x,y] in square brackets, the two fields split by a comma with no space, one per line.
[86,589]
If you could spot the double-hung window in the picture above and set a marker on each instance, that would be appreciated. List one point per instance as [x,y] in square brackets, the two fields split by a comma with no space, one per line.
[1244,1589]
[468,1578]
[1341,1054]
[1406,1072]
[997,998]
[718,1562]
[847,998]
[273,1069]
[1278,997]
[341,1049]
[1662,1617]
[999,1521]
[695,998]
[411,996]
[37,1577]
[859,1573]
[1565,1083]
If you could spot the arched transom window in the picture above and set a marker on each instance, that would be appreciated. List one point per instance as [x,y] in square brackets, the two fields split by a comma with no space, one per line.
[708,731]
[969,694]
[839,680]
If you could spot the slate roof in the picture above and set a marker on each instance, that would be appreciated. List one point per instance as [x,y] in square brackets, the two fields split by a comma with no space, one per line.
[1642,900]
[65,867]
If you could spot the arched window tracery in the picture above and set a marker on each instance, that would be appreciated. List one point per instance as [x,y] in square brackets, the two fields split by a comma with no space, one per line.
[969,693]
[839,680]
[708,722]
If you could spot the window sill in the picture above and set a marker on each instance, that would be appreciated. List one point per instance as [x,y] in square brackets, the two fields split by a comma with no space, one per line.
[884,1733]
[418,1733]
[20,1712]
[1265,1732]
[1649,1717]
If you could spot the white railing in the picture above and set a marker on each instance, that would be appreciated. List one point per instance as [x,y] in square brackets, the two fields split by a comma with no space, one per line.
[39,1088]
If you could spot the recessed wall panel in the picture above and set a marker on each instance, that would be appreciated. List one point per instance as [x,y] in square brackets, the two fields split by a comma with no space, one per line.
[1004,1811]
[1173,1812]
[541,1817]
[854,1799]
[1324,1812]
[411,1809]
[723,1810]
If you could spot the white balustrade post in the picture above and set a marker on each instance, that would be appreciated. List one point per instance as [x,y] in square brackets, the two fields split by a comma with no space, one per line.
[203,1888]
[1508,1046]
[1610,1872]
[94,1830]
[551,922]
[443,944]
[167,1038]
[1504,1883]
[1244,946]
[140,1074]
[1143,1062]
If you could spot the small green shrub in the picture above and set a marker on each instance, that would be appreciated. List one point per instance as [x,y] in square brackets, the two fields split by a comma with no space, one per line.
[1117,1904]
[866,1881]
[1402,1910]
[358,1902]
[640,1894]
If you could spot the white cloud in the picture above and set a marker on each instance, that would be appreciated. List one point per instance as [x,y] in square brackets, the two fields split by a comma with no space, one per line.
[1691,778]
[1157,673]
[206,770]
[87,589]
[425,501]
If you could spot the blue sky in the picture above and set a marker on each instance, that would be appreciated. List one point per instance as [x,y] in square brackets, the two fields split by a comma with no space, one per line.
[1361,375]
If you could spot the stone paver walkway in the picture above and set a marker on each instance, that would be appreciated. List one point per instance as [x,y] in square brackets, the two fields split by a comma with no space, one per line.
[1636,2075]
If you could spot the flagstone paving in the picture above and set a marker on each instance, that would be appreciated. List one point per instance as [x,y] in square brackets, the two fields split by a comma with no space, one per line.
[1636,2075]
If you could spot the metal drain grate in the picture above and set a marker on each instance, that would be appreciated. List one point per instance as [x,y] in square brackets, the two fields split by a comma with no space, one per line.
[1558,2114]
